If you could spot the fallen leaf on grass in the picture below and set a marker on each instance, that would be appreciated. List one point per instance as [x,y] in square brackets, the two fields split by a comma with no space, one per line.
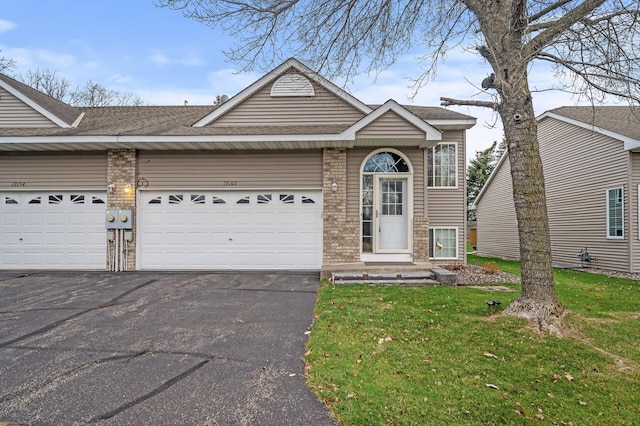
[489,385]
[540,416]
[582,403]
[569,377]
[490,355]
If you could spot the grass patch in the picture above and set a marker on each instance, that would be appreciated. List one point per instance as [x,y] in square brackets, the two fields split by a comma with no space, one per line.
[439,355]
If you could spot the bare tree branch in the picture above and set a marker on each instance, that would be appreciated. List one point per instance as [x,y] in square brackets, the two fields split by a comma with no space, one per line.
[484,104]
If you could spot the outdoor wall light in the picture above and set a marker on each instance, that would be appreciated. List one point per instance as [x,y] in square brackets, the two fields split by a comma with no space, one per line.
[128,188]
[334,187]
[111,187]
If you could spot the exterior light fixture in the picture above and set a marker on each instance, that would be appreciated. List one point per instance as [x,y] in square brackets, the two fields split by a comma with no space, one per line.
[128,188]
[334,187]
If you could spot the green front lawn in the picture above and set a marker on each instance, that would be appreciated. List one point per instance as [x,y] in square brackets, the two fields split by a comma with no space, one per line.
[439,355]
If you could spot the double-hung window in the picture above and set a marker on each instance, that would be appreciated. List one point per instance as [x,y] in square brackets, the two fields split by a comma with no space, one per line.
[615,212]
[443,243]
[442,167]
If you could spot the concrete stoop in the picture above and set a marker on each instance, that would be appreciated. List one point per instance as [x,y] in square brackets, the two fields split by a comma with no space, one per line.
[435,276]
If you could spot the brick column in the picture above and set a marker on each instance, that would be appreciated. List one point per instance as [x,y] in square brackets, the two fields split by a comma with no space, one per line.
[340,233]
[420,239]
[122,170]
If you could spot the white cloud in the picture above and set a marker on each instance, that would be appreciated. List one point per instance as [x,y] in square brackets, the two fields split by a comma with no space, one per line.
[190,59]
[53,59]
[159,58]
[7,25]
[119,78]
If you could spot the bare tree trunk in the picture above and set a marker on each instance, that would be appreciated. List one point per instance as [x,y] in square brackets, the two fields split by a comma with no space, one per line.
[537,301]
[507,56]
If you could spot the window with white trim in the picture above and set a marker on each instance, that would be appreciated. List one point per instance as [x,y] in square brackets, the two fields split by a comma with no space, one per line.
[615,212]
[443,243]
[442,169]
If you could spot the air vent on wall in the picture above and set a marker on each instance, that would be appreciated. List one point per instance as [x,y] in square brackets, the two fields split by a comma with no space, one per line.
[292,85]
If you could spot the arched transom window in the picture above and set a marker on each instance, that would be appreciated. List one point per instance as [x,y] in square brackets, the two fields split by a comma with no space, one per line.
[386,162]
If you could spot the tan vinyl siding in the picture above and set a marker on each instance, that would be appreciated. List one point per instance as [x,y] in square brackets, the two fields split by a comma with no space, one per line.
[634,220]
[15,113]
[390,124]
[231,170]
[356,156]
[446,206]
[35,171]
[263,109]
[496,224]
[579,167]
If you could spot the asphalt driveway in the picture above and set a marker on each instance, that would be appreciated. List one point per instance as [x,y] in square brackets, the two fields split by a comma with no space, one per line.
[156,348]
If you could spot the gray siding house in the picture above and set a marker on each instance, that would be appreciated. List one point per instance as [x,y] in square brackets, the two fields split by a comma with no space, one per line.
[290,173]
[591,162]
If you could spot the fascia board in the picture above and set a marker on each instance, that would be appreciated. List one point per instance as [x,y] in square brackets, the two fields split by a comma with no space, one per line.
[629,143]
[6,140]
[257,85]
[431,132]
[27,100]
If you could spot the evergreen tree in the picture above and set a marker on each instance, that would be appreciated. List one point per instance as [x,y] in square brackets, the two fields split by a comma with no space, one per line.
[479,170]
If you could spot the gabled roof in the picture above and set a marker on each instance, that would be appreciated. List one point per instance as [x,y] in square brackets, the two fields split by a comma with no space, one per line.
[60,113]
[271,76]
[618,122]
[431,132]
[186,127]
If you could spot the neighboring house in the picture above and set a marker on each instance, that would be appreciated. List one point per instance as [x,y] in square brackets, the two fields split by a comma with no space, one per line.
[291,173]
[591,162]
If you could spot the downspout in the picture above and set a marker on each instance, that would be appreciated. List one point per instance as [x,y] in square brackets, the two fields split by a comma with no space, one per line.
[634,193]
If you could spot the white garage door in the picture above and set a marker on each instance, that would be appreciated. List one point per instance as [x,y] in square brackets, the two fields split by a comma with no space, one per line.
[52,230]
[230,230]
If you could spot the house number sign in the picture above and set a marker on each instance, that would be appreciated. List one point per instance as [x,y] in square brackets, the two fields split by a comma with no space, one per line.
[18,184]
[230,183]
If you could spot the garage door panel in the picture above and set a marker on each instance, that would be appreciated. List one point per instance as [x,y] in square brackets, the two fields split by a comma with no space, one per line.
[266,230]
[11,219]
[32,238]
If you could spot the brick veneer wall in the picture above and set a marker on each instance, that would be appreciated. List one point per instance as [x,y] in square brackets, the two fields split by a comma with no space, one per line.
[420,239]
[340,233]
[121,170]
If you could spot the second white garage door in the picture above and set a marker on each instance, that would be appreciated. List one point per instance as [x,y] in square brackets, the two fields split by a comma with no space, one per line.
[230,230]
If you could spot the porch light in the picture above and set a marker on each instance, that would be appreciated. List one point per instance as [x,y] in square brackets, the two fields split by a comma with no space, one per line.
[128,188]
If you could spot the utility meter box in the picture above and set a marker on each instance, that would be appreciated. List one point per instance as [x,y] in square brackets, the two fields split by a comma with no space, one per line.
[118,219]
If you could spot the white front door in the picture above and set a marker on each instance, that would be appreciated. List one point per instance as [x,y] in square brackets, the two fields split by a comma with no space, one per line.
[391,213]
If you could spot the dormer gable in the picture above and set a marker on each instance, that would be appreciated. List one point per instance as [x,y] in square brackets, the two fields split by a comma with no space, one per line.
[284,96]
[22,106]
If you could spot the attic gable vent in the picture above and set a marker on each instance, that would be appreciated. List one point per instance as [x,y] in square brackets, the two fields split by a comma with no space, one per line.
[292,85]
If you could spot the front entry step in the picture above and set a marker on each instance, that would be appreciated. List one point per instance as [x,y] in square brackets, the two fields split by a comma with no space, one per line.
[409,278]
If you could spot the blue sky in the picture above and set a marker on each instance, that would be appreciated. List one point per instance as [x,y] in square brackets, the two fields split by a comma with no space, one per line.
[165,59]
